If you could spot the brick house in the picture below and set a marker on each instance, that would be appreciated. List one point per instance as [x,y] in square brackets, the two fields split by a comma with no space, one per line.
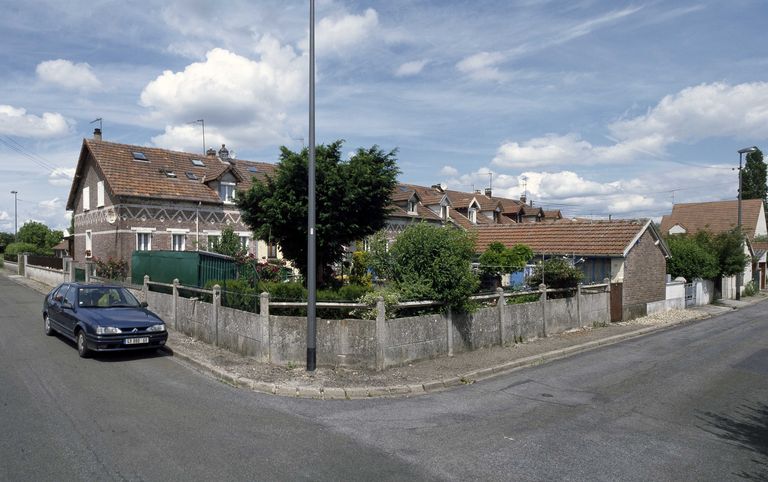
[720,216]
[630,253]
[126,197]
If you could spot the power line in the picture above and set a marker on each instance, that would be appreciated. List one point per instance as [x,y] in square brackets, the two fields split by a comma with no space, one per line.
[18,148]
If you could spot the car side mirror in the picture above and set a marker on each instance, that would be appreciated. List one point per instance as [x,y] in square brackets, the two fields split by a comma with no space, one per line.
[58,298]
[144,304]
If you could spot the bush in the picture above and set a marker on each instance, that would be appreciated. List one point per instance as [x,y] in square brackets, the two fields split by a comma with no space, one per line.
[750,289]
[20,248]
[556,273]
[391,299]
[114,269]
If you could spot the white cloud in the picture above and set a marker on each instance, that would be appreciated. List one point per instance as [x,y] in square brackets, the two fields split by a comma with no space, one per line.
[67,74]
[343,32]
[449,171]
[482,66]
[412,68]
[61,176]
[239,98]
[16,122]
[693,114]
[4,216]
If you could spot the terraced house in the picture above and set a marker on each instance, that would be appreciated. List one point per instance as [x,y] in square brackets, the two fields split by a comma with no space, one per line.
[125,198]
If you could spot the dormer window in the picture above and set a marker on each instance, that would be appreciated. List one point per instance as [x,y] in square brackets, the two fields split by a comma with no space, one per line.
[411,207]
[473,215]
[227,192]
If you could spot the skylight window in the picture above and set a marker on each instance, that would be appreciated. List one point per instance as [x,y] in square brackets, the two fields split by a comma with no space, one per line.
[191,176]
[198,163]
[168,172]
[140,156]
[252,169]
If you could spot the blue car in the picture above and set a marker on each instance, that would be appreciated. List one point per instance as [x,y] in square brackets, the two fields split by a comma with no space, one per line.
[100,318]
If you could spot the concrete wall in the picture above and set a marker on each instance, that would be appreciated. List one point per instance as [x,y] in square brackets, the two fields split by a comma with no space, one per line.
[49,276]
[359,343]
[705,292]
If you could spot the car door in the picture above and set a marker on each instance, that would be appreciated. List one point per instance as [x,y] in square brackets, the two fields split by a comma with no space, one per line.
[69,312]
[54,306]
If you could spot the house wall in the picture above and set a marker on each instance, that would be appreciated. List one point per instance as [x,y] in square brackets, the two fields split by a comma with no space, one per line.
[645,270]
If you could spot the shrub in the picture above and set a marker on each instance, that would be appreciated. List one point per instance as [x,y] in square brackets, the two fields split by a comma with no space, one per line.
[750,289]
[391,299]
[20,248]
[556,273]
[114,269]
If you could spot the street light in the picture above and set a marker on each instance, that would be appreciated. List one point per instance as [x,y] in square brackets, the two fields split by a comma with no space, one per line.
[740,274]
[15,215]
[311,235]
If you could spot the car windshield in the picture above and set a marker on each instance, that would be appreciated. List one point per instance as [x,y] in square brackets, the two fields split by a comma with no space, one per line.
[106,297]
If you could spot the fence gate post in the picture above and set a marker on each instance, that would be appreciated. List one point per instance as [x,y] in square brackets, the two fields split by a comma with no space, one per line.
[175,305]
[21,264]
[500,304]
[216,306]
[543,298]
[265,325]
[607,282]
[381,314]
[145,288]
[449,330]
[578,304]
[71,267]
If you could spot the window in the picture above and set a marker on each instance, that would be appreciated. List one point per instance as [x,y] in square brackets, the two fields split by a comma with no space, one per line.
[272,250]
[140,156]
[191,176]
[212,240]
[252,169]
[244,240]
[444,212]
[70,295]
[143,241]
[227,192]
[198,163]
[411,207]
[178,242]
[473,215]
[168,172]
[100,194]
[88,243]
[86,198]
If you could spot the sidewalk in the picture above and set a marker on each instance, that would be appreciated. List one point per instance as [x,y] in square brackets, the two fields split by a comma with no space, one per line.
[419,377]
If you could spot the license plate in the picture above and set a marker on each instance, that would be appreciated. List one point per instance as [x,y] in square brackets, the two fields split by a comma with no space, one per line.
[136,341]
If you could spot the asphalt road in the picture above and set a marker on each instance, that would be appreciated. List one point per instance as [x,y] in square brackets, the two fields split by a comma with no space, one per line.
[690,403]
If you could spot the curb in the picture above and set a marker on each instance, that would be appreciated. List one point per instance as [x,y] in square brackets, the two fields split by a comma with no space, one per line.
[431,386]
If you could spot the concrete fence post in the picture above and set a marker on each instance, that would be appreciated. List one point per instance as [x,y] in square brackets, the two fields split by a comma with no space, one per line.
[543,298]
[607,282]
[21,264]
[216,306]
[72,270]
[265,325]
[500,305]
[87,271]
[449,330]
[381,316]
[175,304]
[578,303]
[145,289]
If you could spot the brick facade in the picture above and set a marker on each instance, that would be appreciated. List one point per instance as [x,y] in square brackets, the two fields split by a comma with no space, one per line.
[645,272]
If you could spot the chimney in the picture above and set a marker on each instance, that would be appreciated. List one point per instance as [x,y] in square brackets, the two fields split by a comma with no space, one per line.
[523,199]
[223,153]
[488,192]
[97,134]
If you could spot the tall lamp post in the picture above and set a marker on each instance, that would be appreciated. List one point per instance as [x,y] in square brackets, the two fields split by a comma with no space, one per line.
[311,235]
[15,215]
[739,280]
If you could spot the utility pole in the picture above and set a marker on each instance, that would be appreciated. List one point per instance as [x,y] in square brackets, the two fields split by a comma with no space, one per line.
[15,215]
[311,242]
[740,275]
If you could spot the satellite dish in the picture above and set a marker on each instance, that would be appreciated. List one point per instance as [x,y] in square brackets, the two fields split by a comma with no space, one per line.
[110,215]
[443,186]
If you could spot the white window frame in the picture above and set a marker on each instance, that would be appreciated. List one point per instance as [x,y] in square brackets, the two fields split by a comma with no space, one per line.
[87,198]
[227,192]
[411,207]
[140,246]
[183,245]
[88,243]
[100,194]
[473,215]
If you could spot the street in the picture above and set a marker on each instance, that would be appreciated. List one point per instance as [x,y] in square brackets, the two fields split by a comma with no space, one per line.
[689,403]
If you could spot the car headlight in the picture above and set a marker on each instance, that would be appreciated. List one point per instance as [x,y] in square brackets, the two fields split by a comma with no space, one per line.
[108,330]
[160,327]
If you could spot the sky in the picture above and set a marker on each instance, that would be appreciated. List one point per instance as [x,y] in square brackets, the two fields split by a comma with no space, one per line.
[597,108]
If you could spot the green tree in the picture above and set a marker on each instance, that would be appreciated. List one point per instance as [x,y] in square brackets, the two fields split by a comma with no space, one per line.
[555,273]
[729,249]
[5,240]
[753,177]
[691,258]
[228,243]
[434,262]
[380,260]
[498,259]
[35,233]
[352,197]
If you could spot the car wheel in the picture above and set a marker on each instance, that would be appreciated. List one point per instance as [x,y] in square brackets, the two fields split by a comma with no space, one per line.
[47,326]
[82,348]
